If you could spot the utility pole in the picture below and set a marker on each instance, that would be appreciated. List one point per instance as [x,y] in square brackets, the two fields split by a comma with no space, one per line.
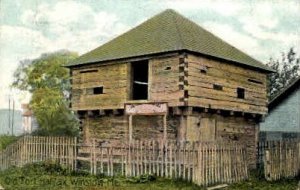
[8,114]
[13,118]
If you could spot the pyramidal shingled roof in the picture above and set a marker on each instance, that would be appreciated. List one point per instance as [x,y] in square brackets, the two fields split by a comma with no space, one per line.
[167,32]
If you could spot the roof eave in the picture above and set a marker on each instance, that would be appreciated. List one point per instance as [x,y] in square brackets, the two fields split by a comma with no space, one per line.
[266,70]
[280,96]
[119,58]
[241,64]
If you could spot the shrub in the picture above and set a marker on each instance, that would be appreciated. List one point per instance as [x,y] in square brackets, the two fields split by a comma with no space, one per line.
[6,140]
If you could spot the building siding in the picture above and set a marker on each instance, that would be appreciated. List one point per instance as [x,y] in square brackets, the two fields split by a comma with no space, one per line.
[204,73]
[284,118]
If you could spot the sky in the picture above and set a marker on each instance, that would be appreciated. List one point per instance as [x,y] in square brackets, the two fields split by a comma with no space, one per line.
[28,28]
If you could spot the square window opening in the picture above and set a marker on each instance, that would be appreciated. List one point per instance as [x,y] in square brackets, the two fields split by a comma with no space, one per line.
[98,90]
[218,87]
[240,93]
[168,68]
[203,71]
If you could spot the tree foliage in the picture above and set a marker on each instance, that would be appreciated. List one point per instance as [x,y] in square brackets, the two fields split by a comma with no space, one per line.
[287,70]
[48,82]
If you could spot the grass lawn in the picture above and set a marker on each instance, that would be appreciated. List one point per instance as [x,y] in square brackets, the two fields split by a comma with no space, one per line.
[49,176]
[255,184]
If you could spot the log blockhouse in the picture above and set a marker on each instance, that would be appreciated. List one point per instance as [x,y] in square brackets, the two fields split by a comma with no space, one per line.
[212,90]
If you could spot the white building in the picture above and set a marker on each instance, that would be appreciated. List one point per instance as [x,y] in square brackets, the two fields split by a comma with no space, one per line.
[28,120]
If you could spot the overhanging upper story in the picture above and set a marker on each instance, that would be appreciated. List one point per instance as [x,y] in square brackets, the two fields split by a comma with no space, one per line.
[180,79]
[169,59]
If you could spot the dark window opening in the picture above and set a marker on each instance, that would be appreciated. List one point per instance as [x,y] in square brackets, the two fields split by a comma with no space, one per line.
[181,87]
[203,71]
[186,94]
[98,90]
[181,60]
[140,80]
[240,93]
[218,87]
[167,68]
[89,71]
[255,81]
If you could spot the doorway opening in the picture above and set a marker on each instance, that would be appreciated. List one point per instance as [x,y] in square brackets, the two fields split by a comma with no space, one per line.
[140,72]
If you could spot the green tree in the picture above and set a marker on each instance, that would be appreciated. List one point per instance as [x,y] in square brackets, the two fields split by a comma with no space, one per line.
[287,70]
[48,82]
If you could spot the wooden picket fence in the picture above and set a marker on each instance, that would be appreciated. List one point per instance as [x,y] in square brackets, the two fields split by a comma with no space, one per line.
[30,149]
[200,163]
[281,159]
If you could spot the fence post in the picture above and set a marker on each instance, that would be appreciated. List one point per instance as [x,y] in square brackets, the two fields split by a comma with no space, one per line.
[267,164]
[129,162]
[75,154]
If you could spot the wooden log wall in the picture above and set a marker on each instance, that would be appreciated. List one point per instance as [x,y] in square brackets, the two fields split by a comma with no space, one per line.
[151,127]
[239,130]
[180,80]
[30,149]
[105,127]
[204,73]
[207,127]
[115,128]
[114,80]
[200,163]
[164,81]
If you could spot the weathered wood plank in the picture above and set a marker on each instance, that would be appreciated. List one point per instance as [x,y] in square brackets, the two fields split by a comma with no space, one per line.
[226,96]
[226,105]
[228,85]
[205,62]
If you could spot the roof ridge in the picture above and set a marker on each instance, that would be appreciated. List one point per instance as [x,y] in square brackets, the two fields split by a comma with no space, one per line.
[182,45]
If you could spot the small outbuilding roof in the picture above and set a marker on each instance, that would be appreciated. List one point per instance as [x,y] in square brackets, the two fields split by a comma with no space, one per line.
[284,93]
[167,32]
